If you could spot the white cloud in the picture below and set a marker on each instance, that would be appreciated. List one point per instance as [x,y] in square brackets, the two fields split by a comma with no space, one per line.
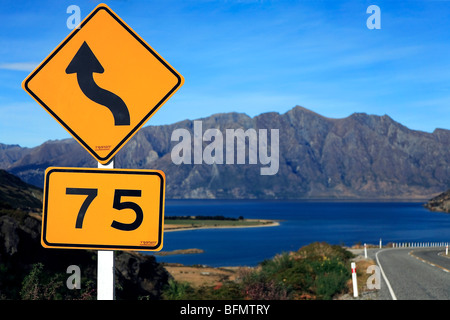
[19,66]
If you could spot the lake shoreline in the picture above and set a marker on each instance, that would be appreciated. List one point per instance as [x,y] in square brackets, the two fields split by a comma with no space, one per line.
[264,223]
[300,223]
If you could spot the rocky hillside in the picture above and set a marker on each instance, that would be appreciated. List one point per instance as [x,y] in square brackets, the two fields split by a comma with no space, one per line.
[16,194]
[360,156]
[137,276]
[20,249]
[440,203]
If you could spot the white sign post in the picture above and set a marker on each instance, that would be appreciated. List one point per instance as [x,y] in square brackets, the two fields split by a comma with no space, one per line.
[105,264]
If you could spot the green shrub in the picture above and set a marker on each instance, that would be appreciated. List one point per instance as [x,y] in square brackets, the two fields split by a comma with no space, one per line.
[316,271]
[184,291]
[37,285]
[327,285]
[175,290]
[331,276]
[223,291]
[263,286]
[278,264]
[42,285]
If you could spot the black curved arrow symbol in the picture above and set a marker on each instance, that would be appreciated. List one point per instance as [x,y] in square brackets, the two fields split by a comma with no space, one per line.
[84,64]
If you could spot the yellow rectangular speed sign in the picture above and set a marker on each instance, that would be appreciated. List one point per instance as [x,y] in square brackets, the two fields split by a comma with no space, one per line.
[103,209]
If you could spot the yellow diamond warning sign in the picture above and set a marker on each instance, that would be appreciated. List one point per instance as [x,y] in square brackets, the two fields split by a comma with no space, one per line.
[102,83]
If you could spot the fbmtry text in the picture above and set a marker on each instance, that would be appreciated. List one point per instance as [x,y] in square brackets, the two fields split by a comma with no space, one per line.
[227,309]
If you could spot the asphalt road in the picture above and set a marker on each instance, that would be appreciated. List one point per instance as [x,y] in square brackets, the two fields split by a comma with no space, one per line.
[413,273]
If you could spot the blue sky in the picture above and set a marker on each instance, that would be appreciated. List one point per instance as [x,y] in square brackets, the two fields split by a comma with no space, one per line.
[252,57]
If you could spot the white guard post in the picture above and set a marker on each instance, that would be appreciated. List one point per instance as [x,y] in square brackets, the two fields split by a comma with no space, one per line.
[354,280]
[105,264]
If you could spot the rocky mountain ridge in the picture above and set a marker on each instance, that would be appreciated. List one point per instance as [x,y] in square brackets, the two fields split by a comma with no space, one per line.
[358,157]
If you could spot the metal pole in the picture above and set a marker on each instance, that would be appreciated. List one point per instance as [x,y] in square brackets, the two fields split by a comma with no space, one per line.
[105,263]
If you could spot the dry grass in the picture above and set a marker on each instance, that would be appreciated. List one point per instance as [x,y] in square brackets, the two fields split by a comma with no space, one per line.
[362,275]
[199,276]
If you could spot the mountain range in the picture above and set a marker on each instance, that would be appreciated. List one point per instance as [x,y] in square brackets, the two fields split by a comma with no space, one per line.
[358,157]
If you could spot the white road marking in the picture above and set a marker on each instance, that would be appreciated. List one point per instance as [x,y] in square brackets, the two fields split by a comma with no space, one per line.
[384,276]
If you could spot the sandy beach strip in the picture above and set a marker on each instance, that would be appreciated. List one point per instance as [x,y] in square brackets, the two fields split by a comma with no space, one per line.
[181,227]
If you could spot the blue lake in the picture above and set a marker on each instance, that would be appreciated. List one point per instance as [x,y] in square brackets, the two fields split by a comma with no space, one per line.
[302,222]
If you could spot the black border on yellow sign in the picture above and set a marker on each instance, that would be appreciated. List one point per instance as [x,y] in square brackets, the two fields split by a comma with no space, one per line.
[94,246]
[136,128]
